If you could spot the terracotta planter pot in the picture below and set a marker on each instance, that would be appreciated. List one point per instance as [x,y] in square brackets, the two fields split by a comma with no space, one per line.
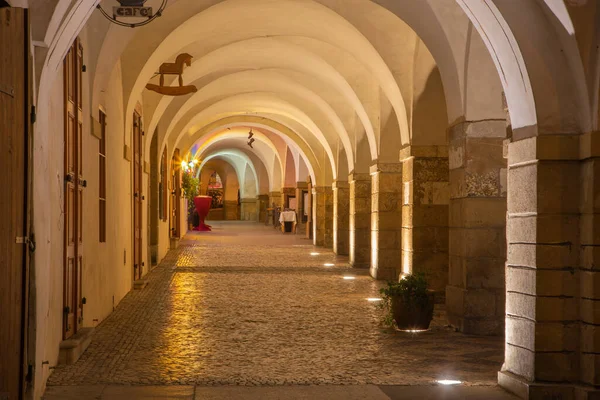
[413,316]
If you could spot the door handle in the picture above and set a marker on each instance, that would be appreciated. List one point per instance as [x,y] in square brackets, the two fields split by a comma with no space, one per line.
[83,182]
[69,178]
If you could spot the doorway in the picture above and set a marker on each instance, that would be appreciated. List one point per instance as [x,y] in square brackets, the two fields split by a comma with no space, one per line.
[175,220]
[74,185]
[138,265]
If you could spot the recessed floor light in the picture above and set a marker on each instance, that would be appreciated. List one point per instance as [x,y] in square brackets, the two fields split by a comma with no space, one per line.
[349,278]
[329,265]
[449,382]
[314,254]
[414,331]
[374,299]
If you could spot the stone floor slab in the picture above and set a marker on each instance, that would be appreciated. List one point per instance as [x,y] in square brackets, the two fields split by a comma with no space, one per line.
[446,393]
[148,392]
[93,392]
[291,393]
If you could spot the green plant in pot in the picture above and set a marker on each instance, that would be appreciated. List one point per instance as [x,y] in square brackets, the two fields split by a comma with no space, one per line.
[190,185]
[408,302]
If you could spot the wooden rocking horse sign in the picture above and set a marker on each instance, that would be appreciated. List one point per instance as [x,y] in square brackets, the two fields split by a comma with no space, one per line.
[175,68]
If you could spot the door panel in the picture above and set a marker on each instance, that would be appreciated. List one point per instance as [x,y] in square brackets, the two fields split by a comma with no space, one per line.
[137,196]
[74,187]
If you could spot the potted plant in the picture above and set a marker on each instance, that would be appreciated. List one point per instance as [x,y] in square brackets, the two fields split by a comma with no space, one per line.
[408,302]
[190,185]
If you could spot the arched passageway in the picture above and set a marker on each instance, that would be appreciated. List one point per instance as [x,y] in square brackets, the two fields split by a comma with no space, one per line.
[454,139]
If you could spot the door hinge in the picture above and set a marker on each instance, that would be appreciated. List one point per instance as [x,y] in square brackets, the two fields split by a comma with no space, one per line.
[26,240]
[33,115]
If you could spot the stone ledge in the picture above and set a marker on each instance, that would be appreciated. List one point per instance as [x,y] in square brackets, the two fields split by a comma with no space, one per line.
[541,391]
[140,284]
[71,349]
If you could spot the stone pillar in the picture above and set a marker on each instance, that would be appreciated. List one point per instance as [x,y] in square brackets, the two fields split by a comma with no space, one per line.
[262,203]
[248,209]
[426,196]
[275,198]
[231,210]
[286,192]
[323,216]
[301,187]
[360,220]
[386,221]
[552,274]
[589,262]
[475,293]
[341,218]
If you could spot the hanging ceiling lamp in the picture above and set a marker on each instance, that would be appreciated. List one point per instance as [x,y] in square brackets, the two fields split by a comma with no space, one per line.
[135,11]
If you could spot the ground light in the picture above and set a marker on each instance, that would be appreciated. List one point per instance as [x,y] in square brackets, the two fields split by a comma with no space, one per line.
[314,254]
[349,278]
[448,382]
[374,299]
[415,331]
[329,265]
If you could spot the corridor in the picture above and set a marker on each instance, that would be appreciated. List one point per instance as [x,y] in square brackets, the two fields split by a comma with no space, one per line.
[247,305]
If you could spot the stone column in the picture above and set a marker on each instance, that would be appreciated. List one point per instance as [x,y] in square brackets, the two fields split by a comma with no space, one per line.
[323,216]
[552,275]
[262,203]
[589,262]
[231,210]
[360,220]
[475,293]
[386,221]
[286,192]
[425,202]
[275,198]
[248,209]
[341,218]
[300,188]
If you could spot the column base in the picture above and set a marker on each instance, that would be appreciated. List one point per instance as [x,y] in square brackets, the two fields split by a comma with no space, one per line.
[541,391]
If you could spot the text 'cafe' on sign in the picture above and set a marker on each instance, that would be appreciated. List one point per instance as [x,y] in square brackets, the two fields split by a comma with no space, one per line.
[144,12]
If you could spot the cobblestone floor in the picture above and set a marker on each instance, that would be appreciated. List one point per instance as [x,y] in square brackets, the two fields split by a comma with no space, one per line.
[246,305]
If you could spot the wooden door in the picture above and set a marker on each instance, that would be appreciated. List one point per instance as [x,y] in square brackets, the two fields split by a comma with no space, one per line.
[137,196]
[14,133]
[175,195]
[74,186]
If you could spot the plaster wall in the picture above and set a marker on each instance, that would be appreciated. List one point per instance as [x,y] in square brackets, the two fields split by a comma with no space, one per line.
[107,267]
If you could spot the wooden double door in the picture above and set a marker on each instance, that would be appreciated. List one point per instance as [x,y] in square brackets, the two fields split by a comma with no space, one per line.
[75,185]
[138,197]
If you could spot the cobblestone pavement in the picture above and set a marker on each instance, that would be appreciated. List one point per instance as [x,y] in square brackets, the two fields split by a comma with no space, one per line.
[246,305]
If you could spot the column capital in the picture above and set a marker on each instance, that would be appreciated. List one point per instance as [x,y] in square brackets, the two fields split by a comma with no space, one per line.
[386,167]
[423,152]
[340,185]
[560,147]
[487,128]
[359,177]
